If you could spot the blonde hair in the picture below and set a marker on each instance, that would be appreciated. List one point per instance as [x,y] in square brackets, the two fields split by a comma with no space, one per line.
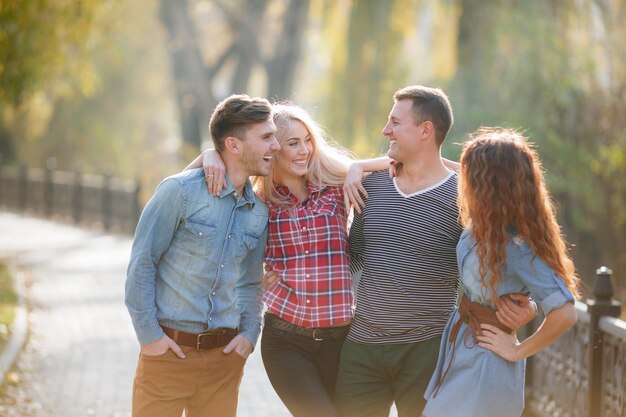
[329,161]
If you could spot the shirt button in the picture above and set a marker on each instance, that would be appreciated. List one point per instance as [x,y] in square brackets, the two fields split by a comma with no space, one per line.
[236,195]
[308,275]
[222,266]
[213,293]
[210,318]
[304,228]
[306,252]
[308,301]
[199,233]
[229,236]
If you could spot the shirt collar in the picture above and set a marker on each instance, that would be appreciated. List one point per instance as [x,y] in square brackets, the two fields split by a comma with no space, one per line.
[248,193]
[311,189]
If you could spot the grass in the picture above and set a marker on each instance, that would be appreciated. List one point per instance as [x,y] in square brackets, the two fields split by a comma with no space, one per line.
[8,301]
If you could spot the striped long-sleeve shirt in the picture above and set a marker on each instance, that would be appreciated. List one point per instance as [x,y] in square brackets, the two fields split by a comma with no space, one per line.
[405,246]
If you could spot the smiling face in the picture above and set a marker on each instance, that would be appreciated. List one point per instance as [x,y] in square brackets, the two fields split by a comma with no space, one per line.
[258,148]
[296,149]
[402,131]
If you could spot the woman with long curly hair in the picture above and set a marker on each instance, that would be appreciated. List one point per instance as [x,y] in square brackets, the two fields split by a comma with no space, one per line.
[511,244]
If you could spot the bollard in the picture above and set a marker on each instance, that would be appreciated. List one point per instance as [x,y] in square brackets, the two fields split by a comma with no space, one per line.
[602,305]
[2,196]
[77,195]
[48,187]
[106,203]
[136,209]
[22,188]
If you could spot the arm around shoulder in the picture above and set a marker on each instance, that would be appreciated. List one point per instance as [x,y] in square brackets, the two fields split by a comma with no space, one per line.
[353,188]
[453,165]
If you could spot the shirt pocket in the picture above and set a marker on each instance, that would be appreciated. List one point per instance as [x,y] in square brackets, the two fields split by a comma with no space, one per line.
[249,242]
[198,237]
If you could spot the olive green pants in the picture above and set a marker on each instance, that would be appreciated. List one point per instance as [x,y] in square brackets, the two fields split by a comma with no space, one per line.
[372,377]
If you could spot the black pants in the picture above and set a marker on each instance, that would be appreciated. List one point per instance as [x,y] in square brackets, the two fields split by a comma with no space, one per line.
[302,371]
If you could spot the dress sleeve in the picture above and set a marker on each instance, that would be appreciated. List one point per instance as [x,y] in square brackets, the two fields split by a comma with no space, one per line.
[546,287]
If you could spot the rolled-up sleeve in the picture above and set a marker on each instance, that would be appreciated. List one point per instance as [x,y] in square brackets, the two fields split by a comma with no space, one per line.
[546,287]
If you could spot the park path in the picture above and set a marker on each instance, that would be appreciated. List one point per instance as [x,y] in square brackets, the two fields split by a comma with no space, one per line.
[81,353]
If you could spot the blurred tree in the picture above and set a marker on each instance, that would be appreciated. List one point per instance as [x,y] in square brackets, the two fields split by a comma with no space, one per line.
[252,35]
[368,65]
[84,84]
[557,70]
[128,123]
[42,49]
[377,48]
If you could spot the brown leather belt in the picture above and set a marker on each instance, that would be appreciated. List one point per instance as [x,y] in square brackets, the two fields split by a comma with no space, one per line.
[202,341]
[473,314]
[316,333]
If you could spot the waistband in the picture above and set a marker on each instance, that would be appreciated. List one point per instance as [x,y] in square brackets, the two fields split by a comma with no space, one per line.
[316,333]
[202,341]
[474,315]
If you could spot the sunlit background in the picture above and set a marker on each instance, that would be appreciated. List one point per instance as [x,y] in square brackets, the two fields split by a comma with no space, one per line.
[128,86]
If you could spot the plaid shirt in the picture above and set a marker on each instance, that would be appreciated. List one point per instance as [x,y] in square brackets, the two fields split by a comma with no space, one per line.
[308,247]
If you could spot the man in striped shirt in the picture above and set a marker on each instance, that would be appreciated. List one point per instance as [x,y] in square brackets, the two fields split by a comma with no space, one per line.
[404,241]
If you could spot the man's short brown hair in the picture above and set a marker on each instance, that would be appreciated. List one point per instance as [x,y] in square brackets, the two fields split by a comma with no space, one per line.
[430,104]
[235,114]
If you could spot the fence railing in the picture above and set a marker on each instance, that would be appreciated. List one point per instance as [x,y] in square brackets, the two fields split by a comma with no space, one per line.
[83,199]
[583,374]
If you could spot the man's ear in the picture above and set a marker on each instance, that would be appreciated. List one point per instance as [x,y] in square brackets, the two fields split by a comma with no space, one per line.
[232,145]
[428,129]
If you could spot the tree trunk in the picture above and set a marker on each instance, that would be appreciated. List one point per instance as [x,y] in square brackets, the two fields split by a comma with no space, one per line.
[281,68]
[193,93]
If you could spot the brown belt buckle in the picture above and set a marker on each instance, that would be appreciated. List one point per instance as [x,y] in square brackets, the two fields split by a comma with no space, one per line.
[217,333]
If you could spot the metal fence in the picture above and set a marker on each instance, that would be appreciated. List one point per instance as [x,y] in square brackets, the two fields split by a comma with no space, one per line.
[94,200]
[583,374]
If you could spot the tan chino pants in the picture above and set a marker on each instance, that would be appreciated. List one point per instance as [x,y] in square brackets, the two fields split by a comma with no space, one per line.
[204,384]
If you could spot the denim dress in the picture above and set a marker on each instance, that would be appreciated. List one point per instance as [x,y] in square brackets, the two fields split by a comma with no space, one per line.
[479,382]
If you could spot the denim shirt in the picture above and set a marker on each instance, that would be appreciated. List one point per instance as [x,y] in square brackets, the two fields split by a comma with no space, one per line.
[524,272]
[196,261]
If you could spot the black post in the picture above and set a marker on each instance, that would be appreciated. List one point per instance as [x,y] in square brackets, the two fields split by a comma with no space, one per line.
[48,187]
[2,197]
[136,206]
[106,199]
[22,188]
[77,195]
[602,305]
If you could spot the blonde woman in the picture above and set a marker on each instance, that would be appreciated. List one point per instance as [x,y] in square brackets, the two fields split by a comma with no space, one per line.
[309,298]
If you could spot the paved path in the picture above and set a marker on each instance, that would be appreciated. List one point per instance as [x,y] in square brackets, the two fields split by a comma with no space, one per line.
[81,354]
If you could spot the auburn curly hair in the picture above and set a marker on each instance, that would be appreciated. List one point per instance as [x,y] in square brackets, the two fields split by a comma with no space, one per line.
[502,187]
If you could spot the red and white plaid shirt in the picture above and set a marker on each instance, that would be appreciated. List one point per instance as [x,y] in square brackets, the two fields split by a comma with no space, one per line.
[307,246]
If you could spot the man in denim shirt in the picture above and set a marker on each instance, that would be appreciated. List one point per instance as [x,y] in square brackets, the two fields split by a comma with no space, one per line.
[194,280]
